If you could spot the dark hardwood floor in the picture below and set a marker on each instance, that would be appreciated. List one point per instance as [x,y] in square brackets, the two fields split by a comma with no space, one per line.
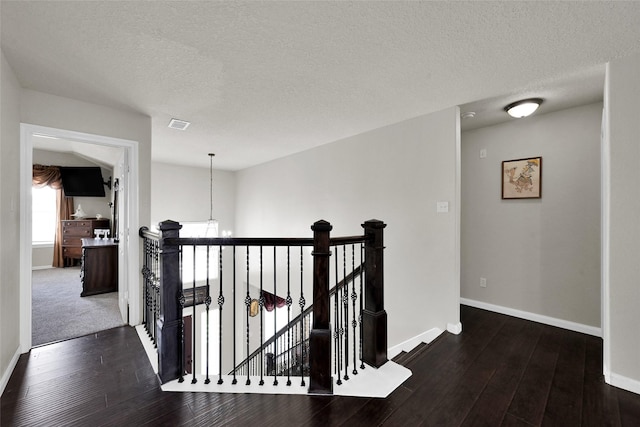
[500,371]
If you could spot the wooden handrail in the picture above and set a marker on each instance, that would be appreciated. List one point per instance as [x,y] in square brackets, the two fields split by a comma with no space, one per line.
[146,233]
[240,241]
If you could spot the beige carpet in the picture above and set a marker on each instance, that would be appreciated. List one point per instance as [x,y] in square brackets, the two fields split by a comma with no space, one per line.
[60,313]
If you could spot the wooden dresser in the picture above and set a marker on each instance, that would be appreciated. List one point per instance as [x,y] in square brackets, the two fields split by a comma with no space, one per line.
[99,273]
[75,229]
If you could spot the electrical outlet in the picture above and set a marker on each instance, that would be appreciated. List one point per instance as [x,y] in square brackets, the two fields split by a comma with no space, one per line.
[442,207]
[483,282]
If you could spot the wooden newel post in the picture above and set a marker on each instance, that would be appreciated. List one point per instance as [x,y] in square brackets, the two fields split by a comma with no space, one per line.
[320,380]
[168,325]
[374,317]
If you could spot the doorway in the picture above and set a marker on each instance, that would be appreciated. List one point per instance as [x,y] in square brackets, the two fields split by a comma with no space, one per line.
[129,297]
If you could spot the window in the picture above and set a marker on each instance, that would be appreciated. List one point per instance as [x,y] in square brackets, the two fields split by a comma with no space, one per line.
[199,229]
[43,208]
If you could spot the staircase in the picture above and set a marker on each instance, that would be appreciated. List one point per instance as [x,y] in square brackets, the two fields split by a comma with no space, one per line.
[326,343]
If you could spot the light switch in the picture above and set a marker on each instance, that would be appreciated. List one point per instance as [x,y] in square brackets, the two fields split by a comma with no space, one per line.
[483,153]
[442,207]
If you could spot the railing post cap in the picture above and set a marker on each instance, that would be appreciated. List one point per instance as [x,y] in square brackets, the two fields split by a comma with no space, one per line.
[374,223]
[321,225]
[169,225]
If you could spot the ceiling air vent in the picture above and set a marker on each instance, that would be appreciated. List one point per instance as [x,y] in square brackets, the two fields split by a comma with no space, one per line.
[178,124]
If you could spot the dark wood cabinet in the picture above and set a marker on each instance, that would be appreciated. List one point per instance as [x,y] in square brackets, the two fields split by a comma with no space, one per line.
[73,230]
[99,273]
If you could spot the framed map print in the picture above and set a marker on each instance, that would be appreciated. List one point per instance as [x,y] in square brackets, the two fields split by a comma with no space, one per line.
[522,178]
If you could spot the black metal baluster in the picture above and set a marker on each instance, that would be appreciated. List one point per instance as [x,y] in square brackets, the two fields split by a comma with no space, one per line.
[193,318]
[154,297]
[361,299]
[150,307]
[354,297]
[289,302]
[181,301]
[302,303]
[150,294]
[207,302]
[145,276]
[337,319]
[275,324]
[220,304]
[247,302]
[235,381]
[295,347]
[308,329]
[151,291]
[261,302]
[345,311]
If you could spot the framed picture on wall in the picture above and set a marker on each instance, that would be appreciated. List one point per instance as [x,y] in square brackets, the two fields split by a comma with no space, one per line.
[522,178]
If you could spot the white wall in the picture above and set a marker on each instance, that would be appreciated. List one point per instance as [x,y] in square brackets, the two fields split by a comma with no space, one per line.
[63,113]
[395,174]
[622,271]
[9,219]
[540,256]
[182,193]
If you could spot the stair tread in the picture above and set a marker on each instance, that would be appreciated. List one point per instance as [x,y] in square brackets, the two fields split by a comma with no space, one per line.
[404,358]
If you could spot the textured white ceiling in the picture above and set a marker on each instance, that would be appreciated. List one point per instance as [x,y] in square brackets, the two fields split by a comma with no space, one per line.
[261,80]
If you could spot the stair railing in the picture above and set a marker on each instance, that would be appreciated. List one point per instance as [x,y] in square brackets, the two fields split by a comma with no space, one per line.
[167,299]
[293,335]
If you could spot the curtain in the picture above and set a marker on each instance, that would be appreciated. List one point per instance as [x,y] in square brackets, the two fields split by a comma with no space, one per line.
[50,175]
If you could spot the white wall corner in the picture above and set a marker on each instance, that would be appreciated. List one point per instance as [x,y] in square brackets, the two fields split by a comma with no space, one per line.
[546,320]
[454,328]
[623,382]
[7,374]
[411,343]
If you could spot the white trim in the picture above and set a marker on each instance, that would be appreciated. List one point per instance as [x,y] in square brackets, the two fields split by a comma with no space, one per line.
[7,373]
[411,343]
[605,227]
[131,251]
[624,383]
[370,382]
[41,267]
[26,166]
[39,245]
[149,347]
[552,321]
[454,328]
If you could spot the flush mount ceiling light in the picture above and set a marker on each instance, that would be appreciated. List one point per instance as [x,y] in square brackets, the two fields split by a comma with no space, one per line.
[178,124]
[523,108]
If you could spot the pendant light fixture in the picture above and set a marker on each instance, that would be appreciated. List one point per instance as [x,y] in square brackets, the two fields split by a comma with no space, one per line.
[212,224]
[523,108]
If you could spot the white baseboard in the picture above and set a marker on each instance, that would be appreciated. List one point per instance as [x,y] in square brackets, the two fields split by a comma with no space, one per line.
[41,267]
[412,343]
[454,328]
[552,321]
[148,346]
[7,373]
[624,383]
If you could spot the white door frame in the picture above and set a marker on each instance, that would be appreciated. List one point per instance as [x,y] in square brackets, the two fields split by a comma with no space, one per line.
[605,227]
[131,289]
